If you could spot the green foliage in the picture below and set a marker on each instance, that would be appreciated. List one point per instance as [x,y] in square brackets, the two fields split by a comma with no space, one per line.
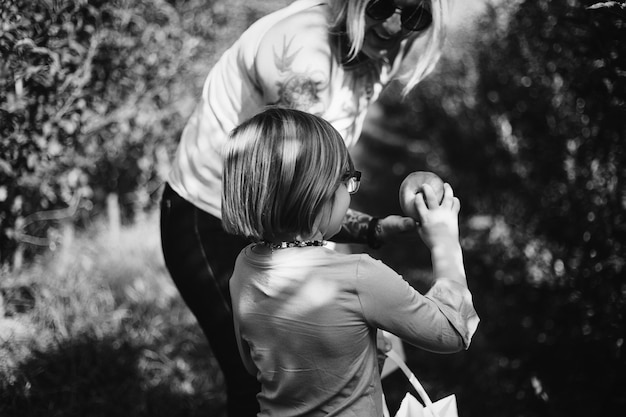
[99,330]
[93,97]
[82,107]
[530,117]
[525,120]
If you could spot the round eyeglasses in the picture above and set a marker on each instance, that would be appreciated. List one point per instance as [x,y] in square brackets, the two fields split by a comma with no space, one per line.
[414,18]
[352,180]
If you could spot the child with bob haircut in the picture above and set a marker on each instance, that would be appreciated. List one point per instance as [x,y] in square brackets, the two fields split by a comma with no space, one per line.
[306,316]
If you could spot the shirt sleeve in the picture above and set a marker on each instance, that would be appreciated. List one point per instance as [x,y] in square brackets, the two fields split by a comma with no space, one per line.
[444,320]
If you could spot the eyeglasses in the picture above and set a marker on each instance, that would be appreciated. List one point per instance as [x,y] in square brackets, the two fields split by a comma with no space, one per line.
[414,18]
[352,181]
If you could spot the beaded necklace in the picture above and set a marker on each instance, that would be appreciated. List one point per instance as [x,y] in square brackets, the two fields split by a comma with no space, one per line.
[294,244]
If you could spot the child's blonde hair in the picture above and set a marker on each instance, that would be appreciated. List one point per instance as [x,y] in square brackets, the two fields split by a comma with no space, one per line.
[280,167]
[350,14]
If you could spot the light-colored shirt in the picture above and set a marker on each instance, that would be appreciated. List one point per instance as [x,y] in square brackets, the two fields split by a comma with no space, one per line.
[284,57]
[306,321]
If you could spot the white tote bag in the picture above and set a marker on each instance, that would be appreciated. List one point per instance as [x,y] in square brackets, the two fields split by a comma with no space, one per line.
[411,407]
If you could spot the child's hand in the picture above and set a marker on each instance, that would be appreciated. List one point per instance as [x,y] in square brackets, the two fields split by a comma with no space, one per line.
[439,223]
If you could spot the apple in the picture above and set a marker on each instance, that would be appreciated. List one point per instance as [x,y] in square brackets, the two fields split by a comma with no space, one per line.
[412,185]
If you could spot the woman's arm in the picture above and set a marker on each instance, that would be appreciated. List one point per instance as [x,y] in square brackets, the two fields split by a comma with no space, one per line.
[356,229]
[293,62]
[362,228]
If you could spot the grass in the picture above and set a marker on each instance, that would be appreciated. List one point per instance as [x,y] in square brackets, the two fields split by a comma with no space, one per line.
[97,328]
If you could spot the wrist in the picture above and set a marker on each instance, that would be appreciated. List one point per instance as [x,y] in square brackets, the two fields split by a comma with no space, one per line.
[447,259]
[446,245]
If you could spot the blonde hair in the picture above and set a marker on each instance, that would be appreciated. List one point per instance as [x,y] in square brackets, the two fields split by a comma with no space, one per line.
[350,14]
[280,167]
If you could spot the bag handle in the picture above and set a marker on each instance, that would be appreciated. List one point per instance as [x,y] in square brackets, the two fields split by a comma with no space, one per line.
[413,380]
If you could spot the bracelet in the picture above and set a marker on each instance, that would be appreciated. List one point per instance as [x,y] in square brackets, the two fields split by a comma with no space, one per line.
[374,230]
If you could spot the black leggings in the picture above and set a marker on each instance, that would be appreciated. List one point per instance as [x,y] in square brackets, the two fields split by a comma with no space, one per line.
[200,257]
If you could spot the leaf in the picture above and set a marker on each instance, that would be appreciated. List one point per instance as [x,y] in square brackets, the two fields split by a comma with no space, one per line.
[5,168]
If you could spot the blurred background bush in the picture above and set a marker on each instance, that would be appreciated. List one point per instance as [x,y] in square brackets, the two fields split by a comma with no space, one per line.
[525,117]
[93,96]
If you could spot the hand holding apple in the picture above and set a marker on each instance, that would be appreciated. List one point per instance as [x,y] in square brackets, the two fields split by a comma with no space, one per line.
[412,186]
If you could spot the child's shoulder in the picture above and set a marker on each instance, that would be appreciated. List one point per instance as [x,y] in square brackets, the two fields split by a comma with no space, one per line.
[363,261]
[367,261]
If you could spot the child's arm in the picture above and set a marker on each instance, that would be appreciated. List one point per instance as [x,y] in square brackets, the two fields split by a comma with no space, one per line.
[439,229]
[444,319]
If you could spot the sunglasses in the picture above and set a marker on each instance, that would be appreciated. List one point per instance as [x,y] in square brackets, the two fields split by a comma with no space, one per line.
[352,181]
[414,18]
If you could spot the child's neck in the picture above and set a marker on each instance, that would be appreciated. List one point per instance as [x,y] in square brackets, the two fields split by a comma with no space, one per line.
[281,242]
[294,244]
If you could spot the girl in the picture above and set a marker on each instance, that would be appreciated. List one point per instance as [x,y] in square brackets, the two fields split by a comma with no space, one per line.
[306,316]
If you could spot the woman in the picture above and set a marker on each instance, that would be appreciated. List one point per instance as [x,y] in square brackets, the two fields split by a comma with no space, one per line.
[327,57]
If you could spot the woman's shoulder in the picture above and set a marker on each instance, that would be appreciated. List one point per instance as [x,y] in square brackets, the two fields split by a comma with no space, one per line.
[297,34]
[293,63]
[304,19]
